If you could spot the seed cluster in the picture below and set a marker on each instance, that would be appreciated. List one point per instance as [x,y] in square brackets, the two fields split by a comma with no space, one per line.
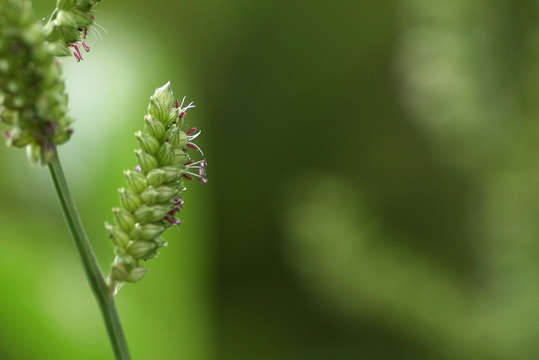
[152,200]
[33,101]
[69,25]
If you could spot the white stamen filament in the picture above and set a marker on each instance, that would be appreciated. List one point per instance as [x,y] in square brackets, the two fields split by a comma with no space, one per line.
[190,106]
[193,174]
[196,147]
[193,137]
[199,162]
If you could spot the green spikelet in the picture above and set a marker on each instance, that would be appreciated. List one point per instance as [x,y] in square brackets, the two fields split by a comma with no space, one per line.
[33,101]
[69,26]
[150,203]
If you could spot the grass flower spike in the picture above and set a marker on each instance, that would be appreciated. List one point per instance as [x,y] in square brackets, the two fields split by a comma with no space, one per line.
[33,101]
[33,114]
[68,26]
[153,198]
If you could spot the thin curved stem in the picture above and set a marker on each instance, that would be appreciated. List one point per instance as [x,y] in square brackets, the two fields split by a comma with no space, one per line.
[91,267]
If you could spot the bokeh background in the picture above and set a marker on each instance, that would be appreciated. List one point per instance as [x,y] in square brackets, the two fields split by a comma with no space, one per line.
[373,194]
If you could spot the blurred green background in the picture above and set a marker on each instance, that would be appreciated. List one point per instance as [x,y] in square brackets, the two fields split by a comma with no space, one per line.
[373,194]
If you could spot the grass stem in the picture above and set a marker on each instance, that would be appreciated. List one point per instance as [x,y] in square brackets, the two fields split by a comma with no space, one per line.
[93,272]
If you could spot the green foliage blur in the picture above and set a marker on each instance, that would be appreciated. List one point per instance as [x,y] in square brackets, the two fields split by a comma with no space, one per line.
[373,194]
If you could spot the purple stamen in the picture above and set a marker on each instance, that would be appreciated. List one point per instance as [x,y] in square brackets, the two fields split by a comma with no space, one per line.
[195,136]
[200,166]
[202,178]
[77,53]
[173,220]
[195,147]
[86,47]
[191,131]
[138,168]
[178,203]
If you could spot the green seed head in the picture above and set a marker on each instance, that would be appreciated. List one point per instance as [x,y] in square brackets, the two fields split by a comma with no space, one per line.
[129,200]
[147,162]
[150,205]
[147,142]
[33,101]
[142,249]
[69,25]
[137,181]
[124,219]
[156,177]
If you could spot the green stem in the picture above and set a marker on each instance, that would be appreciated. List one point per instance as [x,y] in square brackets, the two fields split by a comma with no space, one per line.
[93,272]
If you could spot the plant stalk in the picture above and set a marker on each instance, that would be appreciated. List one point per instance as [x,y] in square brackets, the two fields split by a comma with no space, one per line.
[93,272]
